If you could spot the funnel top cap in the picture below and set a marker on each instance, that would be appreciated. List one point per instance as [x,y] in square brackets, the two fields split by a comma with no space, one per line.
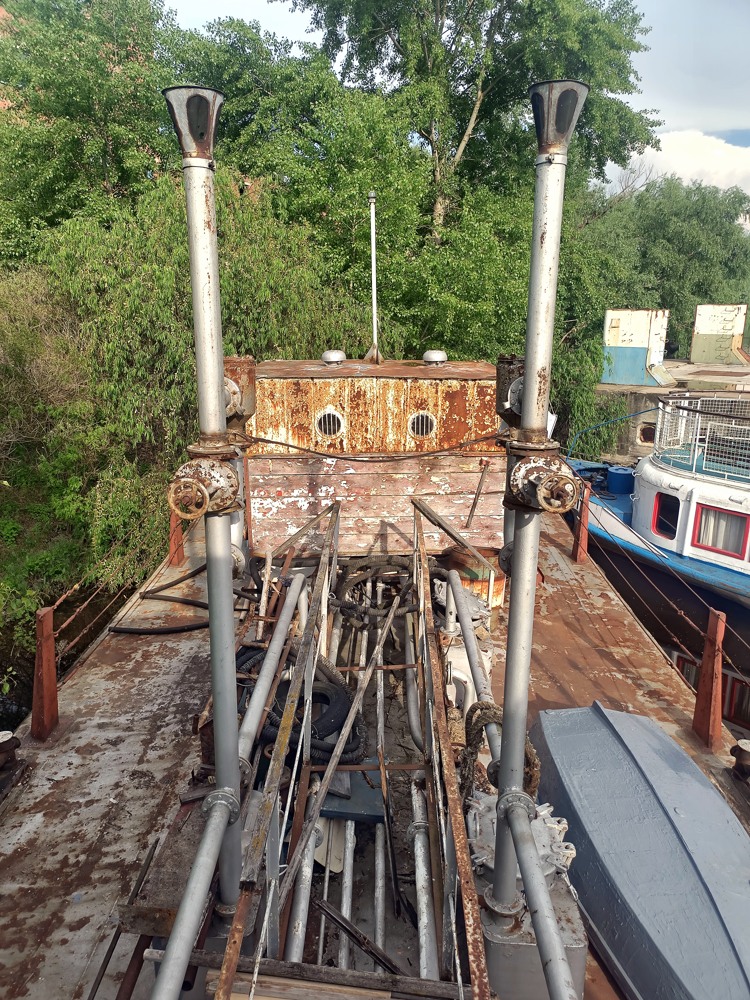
[333,357]
[195,113]
[556,105]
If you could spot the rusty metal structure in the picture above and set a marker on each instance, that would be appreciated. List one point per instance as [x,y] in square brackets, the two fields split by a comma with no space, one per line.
[359,820]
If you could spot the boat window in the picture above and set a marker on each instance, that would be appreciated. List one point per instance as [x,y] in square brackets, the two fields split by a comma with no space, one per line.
[329,423]
[721,531]
[421,425]
[647,433]
[666,515]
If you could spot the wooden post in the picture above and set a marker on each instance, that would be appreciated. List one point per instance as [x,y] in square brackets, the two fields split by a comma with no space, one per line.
[44,715]
[581,536]
[708,700]
[176,549]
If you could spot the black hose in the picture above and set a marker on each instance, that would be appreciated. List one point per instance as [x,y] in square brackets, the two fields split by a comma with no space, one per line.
[157,629]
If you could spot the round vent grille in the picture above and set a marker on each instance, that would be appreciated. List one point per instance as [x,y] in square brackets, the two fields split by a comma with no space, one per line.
[330,424]
[421,425]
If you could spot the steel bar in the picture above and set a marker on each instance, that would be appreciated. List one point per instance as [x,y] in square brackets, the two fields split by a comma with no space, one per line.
[304,530]
[355,934]
[189,917]
[451,532]
[347,885]
[477,495]
[346,728]
[254,714]
[433,665]
[273,855]
[133,971]
[259,832]
[402,986]
[429,966]
[295,938]
[478,673]
[307,650]
[543,918]
[379,885]
[234,944]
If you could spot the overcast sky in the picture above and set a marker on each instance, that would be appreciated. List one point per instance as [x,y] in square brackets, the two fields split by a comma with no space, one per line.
[694,75]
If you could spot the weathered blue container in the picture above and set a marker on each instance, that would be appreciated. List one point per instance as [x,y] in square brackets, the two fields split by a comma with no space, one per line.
[620,480]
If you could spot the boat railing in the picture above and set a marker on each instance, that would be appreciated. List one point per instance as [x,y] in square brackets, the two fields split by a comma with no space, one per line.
[705,435]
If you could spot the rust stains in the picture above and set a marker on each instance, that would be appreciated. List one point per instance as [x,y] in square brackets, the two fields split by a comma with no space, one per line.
[402,412]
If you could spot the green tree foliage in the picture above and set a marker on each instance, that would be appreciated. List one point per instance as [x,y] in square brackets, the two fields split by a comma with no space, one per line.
[130,284]
[466,67]
[86,122]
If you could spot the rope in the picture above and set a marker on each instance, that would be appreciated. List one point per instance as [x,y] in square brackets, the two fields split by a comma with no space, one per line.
[249,440]
[480,715]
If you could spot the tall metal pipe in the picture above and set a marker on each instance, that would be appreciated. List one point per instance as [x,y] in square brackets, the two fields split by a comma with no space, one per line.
[189,917]
[478,673]
[373,353]
[548,939]
[429,964]
[195,112]
[254,713]
[556,106]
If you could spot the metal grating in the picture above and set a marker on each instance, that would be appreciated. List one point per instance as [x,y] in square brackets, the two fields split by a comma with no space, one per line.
[421,425]
[705,435]
[330,424]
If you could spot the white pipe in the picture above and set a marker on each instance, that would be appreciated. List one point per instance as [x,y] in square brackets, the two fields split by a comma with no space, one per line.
[429,965]
[347,884]
[187,924]
[254,713]
[295,939]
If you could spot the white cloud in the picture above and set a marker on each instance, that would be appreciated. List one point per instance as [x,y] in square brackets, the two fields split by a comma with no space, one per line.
[694,156]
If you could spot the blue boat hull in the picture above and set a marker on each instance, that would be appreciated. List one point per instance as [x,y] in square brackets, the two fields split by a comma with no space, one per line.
[662,866]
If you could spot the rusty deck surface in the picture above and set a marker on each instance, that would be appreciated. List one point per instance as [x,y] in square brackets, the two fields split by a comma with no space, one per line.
[588,647]
[75,831]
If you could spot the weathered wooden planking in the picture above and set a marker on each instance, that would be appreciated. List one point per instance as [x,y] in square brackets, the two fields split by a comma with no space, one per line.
[376,513]
[273,988]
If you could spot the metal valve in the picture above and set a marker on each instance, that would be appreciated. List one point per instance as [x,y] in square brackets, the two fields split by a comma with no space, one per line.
[544,482]
[558,492]
[203,486]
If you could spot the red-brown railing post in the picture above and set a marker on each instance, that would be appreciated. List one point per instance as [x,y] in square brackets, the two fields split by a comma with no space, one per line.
[708,699]
[176,548]
[44,715]
[581,536]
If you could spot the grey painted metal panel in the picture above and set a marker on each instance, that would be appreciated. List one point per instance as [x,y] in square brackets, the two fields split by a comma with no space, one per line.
[662,866]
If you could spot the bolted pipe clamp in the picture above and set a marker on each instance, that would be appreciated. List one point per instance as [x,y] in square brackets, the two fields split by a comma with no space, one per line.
[223,796]
[515,797]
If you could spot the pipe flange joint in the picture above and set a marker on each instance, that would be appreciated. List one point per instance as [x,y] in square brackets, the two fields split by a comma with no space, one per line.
[512,798]
[318,836]
[524,448]
[223,796]
[508,911]
[418,826]
[493,768]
